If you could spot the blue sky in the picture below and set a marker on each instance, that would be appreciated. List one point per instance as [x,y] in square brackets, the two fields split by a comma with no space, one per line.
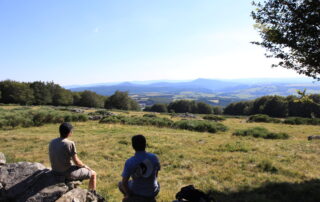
[81,42]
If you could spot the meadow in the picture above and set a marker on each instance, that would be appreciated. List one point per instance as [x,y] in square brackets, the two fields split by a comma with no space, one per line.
[229,167]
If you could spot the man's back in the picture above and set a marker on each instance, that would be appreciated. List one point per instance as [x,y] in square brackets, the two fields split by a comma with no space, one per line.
[60,153]
[143,168]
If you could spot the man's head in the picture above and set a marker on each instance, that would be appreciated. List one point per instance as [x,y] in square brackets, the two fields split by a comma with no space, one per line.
[139,143]
[65,129]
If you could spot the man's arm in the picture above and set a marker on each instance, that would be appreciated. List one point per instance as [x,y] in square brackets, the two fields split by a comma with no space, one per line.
[125,186]
[78,162]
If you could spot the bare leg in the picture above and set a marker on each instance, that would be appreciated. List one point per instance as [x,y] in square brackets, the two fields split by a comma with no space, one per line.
[93,181]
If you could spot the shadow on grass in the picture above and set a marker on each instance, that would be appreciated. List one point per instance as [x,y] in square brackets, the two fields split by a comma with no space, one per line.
[307,191]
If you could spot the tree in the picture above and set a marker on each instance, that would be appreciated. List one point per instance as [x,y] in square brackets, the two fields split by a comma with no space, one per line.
[15,92]
[203,108]
[290,31]
[217,110]
[90,99]
[61,96]
[276,106]
[41,92]
[121,100]
[159,108]
[181,106]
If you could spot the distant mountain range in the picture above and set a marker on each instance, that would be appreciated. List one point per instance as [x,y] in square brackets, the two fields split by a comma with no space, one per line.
[241,88]
[211,91]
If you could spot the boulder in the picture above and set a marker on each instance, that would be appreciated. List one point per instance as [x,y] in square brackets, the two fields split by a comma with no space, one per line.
[95,117]
[79,194]
[31,182]
[314,137]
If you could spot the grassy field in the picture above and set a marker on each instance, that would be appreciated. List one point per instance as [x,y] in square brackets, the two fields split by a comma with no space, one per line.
[229,167]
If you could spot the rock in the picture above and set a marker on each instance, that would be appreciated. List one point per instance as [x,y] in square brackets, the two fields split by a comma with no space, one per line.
[31,182]
[26,181]
[95,117]
[76,110]
[314,137]
[2,159]
[79,194]
[187,115]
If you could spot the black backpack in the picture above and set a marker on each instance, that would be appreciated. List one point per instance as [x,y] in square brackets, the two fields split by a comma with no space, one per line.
[191,194]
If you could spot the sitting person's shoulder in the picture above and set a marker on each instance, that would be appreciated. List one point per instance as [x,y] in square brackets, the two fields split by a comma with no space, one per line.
[152,155]
[68,142]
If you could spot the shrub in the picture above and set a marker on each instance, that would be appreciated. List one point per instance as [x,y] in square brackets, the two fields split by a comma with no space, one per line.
[214,118]
[29,117]
[112,119]
[233,147]
[193,125]
[200,126]
[259,132]
[150,115]
[267,166]
[141,121]
[300,121]
[263,118]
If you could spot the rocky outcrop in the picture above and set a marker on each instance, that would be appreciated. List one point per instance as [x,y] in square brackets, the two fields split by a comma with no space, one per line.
[25,181]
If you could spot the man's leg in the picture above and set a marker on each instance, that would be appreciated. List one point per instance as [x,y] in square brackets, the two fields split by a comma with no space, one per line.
[93,180]
[78,173]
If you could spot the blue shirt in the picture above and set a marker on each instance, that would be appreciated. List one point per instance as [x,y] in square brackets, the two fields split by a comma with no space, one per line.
[141,184]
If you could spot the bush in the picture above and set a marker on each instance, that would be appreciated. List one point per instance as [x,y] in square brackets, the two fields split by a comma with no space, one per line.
[267,166]
[263,118]
[300,121]
[141,121]
[200,126]
[150,115]
[193,125]
[259,132]
[233,147]
[214,118]
[29,117]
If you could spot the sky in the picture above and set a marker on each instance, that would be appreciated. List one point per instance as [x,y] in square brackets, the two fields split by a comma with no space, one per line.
[97,41]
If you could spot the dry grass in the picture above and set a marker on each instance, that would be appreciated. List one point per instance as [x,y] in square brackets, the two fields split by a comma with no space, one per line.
[220,162]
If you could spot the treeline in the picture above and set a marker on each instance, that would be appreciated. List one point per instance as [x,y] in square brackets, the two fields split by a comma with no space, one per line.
[277,106]
[185,106]
[49,93]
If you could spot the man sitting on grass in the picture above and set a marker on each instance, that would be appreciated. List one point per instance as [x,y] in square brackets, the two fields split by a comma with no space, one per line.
[143,168]
[62,152]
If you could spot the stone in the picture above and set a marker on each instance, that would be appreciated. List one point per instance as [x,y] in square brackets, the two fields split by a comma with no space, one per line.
[2,159]
[95,117]
[31,182]
[79,195]
[314,137]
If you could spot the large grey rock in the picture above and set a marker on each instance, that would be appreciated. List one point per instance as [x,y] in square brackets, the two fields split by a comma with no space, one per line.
[26,181]
[78,194]
[2,159]
[33,182]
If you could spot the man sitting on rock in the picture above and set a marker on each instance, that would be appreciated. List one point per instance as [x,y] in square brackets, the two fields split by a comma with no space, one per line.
[62,152]
[143,168]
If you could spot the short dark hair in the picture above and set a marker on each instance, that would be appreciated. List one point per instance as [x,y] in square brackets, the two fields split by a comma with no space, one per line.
[64,129]
[139,142]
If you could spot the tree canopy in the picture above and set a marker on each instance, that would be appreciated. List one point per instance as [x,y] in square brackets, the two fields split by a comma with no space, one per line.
[290,32]
[121,100]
